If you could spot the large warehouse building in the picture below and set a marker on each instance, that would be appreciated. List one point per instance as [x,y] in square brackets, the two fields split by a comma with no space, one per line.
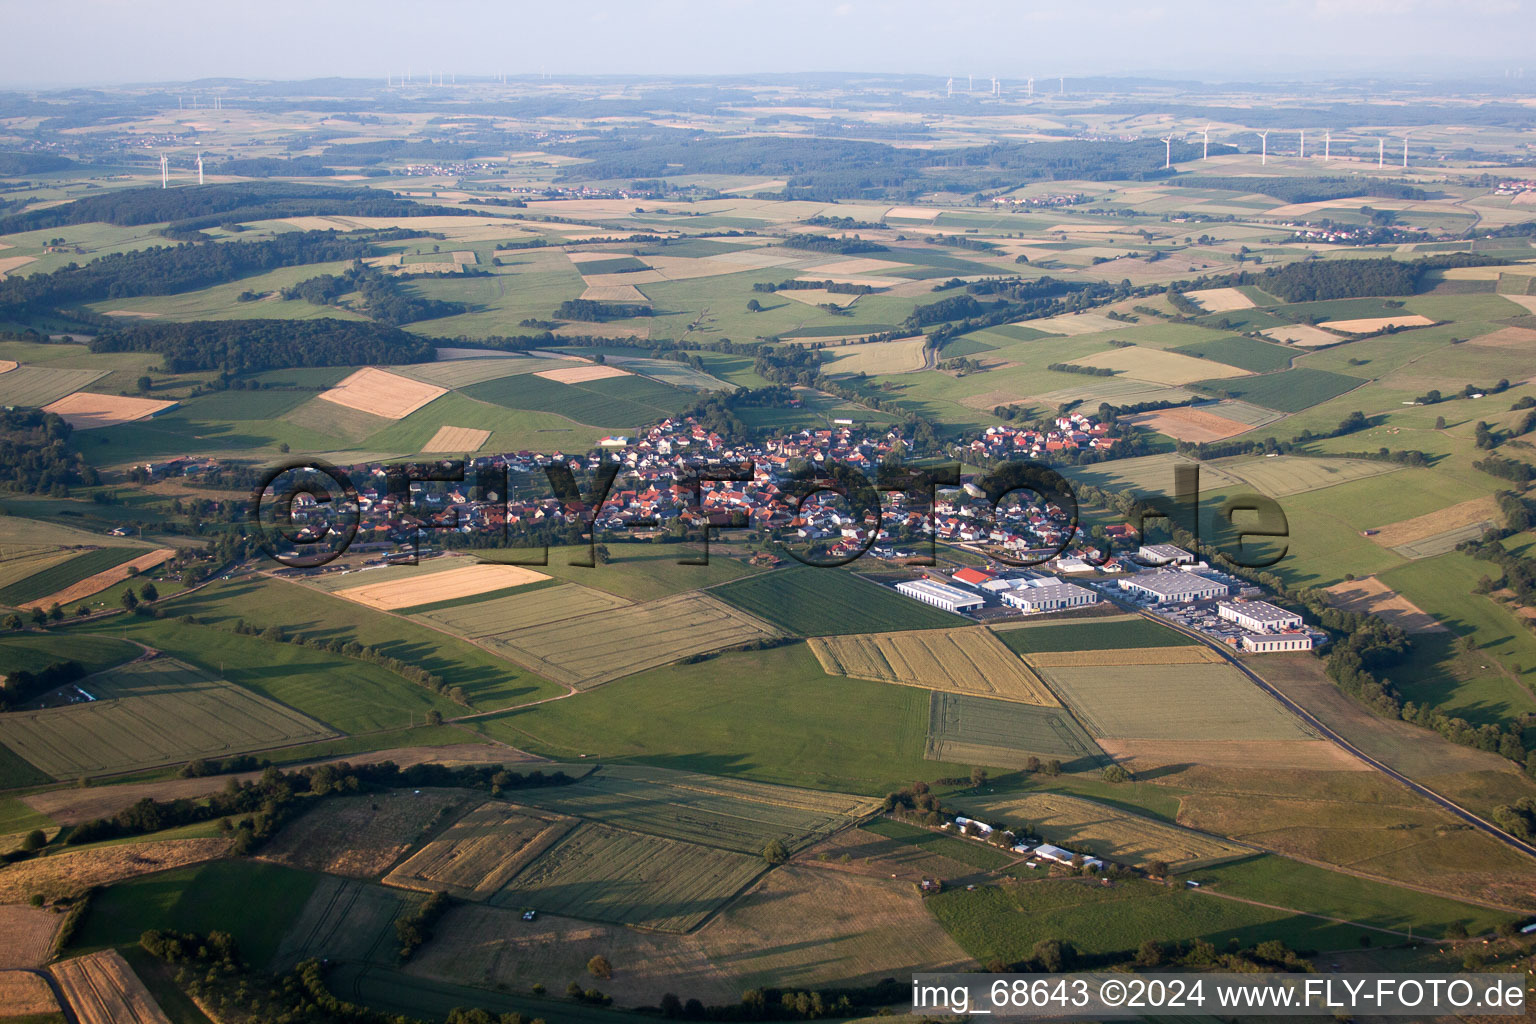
[1046,595]
[951,599]
[1258,616]
[1173,586]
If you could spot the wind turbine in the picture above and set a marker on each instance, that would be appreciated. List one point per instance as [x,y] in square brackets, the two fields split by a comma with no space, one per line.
[1303,152]
[997,87]
[165,171]
[949,89]
[1405,149]
[970,84]
[199,166]
[1205,150]
[1327,145]
[1381,152]
[1031,88]
[1061,86]
[1263,147]
[1167,152]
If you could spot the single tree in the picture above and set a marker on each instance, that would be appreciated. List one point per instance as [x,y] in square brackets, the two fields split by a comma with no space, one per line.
[775,853]
[148,592]
[35,840]
[600,968]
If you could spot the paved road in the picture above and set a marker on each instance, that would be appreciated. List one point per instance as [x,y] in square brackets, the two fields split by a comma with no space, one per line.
[1482,824]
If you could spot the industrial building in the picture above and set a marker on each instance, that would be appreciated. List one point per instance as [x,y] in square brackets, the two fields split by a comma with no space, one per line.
[1045,595]
[951,599]
[1267,643]
[1163,554]
[1258,616]
[1165,586]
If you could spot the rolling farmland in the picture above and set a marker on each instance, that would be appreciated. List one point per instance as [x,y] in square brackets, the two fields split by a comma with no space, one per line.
[448,584]
[1004,734]
[102,989]
[523,610]
[596,648]
[151,713]
[969,661]
[58,576]
[1288,390]
[481,851]
[607,874]
[1090,635]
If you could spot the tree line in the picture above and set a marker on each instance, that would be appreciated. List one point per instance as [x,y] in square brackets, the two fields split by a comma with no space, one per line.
[251,346]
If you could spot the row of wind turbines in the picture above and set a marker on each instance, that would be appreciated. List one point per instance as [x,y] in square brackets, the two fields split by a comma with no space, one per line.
[1301,151]
[165,169]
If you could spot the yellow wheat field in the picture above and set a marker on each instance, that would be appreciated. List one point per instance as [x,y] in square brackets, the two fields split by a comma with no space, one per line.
[1301,334]
[456,439]
[382,393]
[103,989]
[84,410]
[1220,300]
[967,660]
[581,374]
[482,850]
[7,365]
[1125,656]
[1369,325]
[23,994]
[440,586]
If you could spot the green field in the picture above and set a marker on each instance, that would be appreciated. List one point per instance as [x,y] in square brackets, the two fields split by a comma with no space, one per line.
[418,998]
[32,651]
[1286,391]
[1005,923]
[1243,353]
[147,714]
[16,772]
[808,601]
[617,402]
[66,574]
[37,386]
[1289,883]
[210,897]
[771,715]
[607,874]
[1106,634]
[530,605]
[966,851]
[1004,734]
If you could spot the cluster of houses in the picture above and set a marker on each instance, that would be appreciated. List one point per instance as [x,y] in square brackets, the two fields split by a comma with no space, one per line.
[1071,433]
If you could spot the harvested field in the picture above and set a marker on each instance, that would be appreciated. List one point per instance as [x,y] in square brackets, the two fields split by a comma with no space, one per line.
[1285,475]
[518,611]
[345,919]
[456,439]
[84,410]
[97,582]
[1109,832]
[1173,702]
[10,263]
[1374,597]
[969,660]
[1220,300]
[1194,655]
[607,874]
[1509,337]
[37,386]
[7,365]
[732,814]
[45,580]
[901,356]
[477,368]
[581,374]
[1160,365]
[802,927]
[592,649]
[1303,335]
[1372,324]
[482,850]
[151,713]
[361,836]
[1072,324]
[913,213]
[65,874]
[1186,424]
[381,393]
[1476,512]
[492,947]
[1003,734]
[1314,755]
[28,935]
[25,995]
[863,852]
[102,989]
[443,585]
[615,293]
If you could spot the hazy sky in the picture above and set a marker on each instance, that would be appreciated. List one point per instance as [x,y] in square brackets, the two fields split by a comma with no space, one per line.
[100,42]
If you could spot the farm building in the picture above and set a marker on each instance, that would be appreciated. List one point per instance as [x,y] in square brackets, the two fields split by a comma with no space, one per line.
[1258,616]
[1046,595]
[1045,851]
[1265,643]
[1165,586]
[972,825]
[972,577]
[951,599]
[1164,554]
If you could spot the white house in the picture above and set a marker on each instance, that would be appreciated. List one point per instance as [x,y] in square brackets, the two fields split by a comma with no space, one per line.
[951,599]
[1258,616]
